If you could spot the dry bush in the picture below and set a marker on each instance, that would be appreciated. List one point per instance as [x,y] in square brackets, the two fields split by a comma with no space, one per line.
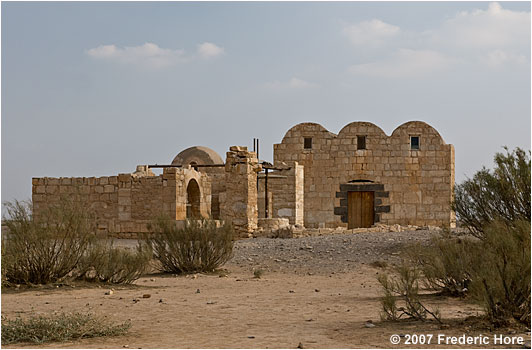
[60,327]
[501,275]
[379,264]
[199,246]
[404,287]
[493,271]
[446,263]
[45,250]
[257,273]
[105,263]
[7,261]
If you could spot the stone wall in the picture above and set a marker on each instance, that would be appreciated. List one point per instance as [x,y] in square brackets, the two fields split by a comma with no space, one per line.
[217,176]
[238,204]
[417,184]
[200,155]
[288,194]
[126,203]
[261,200]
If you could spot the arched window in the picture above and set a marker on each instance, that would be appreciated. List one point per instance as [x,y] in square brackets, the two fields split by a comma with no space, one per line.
[193,200]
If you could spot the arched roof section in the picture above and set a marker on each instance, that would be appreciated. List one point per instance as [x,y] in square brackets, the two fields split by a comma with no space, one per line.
[417,127]
[356,128]
[200,155]
[307,129]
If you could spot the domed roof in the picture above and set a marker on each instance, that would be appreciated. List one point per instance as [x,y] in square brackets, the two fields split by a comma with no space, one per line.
[197,155]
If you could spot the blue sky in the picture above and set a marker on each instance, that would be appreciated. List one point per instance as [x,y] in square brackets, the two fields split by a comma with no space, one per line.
[93,89]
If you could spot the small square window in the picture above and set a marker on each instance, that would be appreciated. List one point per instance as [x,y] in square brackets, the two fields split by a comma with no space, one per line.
[414,142]
[361,142]
[308,143]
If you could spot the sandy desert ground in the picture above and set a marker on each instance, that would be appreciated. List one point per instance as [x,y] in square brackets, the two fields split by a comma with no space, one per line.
[315,292]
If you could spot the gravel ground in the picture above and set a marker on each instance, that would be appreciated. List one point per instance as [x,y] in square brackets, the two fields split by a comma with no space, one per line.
[327,254]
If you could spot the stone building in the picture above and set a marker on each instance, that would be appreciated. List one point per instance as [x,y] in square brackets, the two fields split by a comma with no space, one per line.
[362,176]
[126,203]
[357,178]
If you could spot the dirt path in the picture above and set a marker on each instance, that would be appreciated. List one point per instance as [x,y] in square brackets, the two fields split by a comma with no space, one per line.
[320,297]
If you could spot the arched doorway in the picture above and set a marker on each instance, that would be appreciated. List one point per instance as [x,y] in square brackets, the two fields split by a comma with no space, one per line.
[193,200]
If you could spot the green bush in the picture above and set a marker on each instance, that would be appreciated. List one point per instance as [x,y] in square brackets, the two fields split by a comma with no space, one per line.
[61,327]
[502,194]
[199,246]
[44,250]
[105,263]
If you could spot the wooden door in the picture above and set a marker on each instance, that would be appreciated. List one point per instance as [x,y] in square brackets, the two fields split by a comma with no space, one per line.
[359,209]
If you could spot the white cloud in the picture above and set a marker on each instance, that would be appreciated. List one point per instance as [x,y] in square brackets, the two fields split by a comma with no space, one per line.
[405,63]
[493,37]
[209,50]
[296,83]
[497,58]
[370,33]
[148,55]
[293,83]
[103,51]
[493,28]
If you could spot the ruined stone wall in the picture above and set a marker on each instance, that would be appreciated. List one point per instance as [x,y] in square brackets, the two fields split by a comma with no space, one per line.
[416,185]
[100,194]
[125,204]
[288,194]
[239,201]
[200,155]
[261,200]
[217,178]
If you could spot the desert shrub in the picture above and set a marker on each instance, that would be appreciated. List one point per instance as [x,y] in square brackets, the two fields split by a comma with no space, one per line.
[257,273]
[105,263]
[404,287]
[501,194]
[44,250]
[501,274]
[7,261]
[199,246]
[446,263]
[379,264]
[493,271]
[60,327]
[495,206]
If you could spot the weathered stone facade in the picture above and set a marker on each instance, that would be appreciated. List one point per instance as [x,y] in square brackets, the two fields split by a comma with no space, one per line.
[358,178]
[411,186]
[199,155]
[288,194]
[239,202]
[125,204]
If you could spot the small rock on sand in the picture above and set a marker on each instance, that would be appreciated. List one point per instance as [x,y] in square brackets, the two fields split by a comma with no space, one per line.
[369,324]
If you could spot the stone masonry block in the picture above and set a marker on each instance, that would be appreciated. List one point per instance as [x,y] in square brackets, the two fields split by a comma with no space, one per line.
[382,209]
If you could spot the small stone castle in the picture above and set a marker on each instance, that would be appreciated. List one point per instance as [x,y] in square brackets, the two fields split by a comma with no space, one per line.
[357,178]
